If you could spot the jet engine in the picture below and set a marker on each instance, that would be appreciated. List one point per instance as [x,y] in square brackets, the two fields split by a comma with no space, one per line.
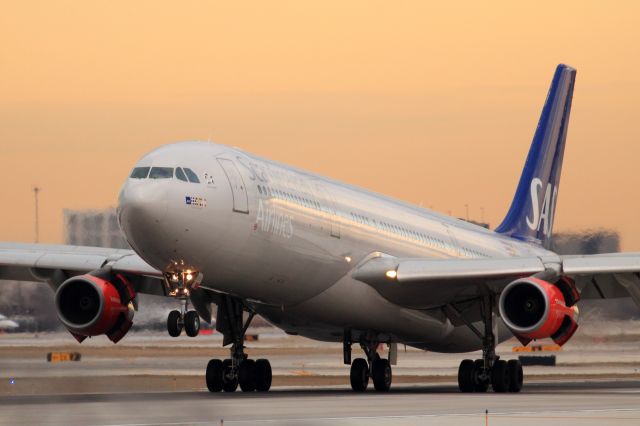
[535,309]
[91,305]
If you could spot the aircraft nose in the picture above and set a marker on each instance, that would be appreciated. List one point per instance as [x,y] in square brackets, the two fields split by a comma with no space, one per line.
[142,209]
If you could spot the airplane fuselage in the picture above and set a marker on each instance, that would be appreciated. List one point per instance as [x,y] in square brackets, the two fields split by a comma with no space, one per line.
[286,241]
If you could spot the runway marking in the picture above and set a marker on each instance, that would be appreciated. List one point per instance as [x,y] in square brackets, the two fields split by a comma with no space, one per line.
[501,414]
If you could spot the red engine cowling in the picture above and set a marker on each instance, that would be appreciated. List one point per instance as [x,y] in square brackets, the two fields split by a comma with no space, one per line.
[89,305]
[536,309]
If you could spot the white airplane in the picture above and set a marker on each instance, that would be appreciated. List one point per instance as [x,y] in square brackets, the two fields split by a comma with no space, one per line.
[330,261]
[7,325]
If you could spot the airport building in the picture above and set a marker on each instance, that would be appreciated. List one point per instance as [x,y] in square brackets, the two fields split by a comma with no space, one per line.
[586,242]
[96,228]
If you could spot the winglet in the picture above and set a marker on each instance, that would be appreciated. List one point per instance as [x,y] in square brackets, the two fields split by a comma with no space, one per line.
[530,217]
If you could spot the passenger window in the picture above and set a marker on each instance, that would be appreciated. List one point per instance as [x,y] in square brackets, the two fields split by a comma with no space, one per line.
[161,173]
[140,173]
[193,178]
[180,175]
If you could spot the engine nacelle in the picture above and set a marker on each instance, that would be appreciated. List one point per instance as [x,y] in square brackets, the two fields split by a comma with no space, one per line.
[536,309]
[90,305]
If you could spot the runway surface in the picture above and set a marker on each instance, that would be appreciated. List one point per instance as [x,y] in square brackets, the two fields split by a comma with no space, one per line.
[150,379]
[24,357]
[595,403]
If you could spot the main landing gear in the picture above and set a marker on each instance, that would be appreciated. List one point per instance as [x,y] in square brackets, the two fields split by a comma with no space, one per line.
[238,370]
[374,367]
[189,320]
[476,376]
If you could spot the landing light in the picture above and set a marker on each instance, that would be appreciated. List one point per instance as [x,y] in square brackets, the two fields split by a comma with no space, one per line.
[391,274]
[348,259]
[189,277]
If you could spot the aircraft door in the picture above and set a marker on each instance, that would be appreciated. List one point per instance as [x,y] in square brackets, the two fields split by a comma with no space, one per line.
[328,206]
[238,188]
[453,239]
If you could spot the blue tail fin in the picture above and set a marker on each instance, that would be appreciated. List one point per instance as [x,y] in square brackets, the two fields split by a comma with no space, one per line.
[530,216]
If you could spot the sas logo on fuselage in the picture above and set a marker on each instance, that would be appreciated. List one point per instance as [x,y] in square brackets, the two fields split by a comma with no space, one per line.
[195,201]
[542,215]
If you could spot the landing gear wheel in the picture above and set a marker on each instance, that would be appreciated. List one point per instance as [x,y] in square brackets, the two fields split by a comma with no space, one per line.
[481,385]
[500,376]
[516,377]
[247,375]
[382,375]
[174,323]
[229,378]
[214,375]
[191,323]
[359,375]
[263,375]
[467,376]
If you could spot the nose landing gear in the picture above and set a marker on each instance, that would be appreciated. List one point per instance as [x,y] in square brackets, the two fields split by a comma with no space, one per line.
[179,282]
[189,320]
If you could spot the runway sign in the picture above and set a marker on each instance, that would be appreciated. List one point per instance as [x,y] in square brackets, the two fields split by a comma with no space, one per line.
[63,356]
[546,360]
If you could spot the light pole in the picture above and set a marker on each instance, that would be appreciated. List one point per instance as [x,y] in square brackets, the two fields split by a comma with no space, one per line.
[36,190]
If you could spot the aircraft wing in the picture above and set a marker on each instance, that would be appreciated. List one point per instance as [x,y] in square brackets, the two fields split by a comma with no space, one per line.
[55,263]
[429,283]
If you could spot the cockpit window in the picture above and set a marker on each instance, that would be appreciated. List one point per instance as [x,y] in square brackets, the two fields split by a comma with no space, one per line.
[140,173]
[180,175]
[191,175]
[161,173]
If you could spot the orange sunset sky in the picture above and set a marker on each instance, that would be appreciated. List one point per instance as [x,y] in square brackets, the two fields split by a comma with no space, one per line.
[431,102]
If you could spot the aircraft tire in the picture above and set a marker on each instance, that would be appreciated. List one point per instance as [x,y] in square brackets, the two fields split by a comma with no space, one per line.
[500,376]
[174,323]
[214,375]
[359,375]
[247,375]
[516,376]
[263,375]
[229,379]
[467,376]
[192,323]
[480,385]
[382,375]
